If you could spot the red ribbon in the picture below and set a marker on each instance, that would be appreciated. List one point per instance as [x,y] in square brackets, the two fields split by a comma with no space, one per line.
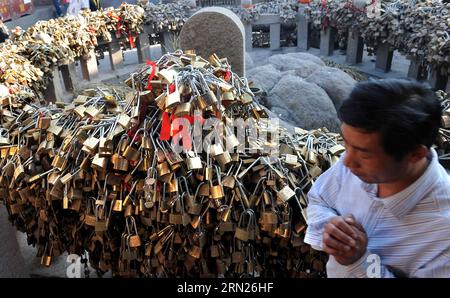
[118,34]
[172,88]
[152,74]
[227,76]
[164,135]
[130,38]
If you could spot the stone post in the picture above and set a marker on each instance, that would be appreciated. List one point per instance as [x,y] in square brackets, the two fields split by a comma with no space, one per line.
[115,53]
[303,30]
[355,48]
[327,37]
[89,66]
[275,32]
[384,57]
[143,44]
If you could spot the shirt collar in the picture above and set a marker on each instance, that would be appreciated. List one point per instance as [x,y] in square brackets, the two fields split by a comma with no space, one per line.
[404,201]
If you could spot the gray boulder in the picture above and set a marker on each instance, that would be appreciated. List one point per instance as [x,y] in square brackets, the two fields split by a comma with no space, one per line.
[306,57]
[264,77]
[307,68]
[335,82]
[303,104]
[286,62]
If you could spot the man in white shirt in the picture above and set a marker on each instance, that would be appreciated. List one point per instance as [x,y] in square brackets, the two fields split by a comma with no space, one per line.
[384,209]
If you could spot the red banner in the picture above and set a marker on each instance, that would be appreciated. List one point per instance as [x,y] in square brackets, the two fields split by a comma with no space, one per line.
[13,9]
[5,10]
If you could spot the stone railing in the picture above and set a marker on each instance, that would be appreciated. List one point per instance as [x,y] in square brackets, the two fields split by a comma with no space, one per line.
[207,3]
[355,47]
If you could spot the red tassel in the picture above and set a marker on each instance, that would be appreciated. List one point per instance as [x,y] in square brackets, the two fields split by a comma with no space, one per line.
[152,74]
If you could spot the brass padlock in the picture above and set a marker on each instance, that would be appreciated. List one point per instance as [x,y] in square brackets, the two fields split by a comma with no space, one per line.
[124,120]
[91,144]
[19,173]
[183,109]
[92,111]
[195,252]
[163,169]
[227,96]
[216,191]
[201,102]
[172,98]
[79,111]
[193,162]
[134,240]
[223,159]
[46,259]
[54,128]
[131,153]
[286,193]
[336,150]
[146,142]
[246,98]
[99,163]
[44,122]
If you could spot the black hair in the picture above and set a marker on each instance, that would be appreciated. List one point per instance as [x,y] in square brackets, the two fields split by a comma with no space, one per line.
[406,113]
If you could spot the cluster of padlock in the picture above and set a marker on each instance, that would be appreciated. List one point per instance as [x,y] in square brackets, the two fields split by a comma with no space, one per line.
[28,57]
[19,78]
[102,175]
[166,16]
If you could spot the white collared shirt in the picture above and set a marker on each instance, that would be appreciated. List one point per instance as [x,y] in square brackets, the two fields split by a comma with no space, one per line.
[408,231]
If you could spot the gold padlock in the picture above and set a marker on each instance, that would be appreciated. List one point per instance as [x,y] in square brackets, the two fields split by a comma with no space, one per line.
[227,96]
[99,163]
[54,128]
[79,111]
[19,173]
[146,142]
[119,163]
[163,169]
[246,98]
[124,120]
[44,122]
[223,159]
[167,75]
[131,153]
[201,102]
[194,163]
[91,144]
[183,109]
[92,111]
[173,98]
[286,193]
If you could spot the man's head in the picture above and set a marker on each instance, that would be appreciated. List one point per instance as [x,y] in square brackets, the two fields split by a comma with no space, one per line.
[388,127]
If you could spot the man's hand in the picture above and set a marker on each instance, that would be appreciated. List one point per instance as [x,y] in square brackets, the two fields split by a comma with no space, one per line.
[345,239]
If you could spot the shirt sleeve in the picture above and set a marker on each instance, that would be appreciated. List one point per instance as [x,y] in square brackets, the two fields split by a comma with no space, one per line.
[321,205]
[439,267]
[370,265]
